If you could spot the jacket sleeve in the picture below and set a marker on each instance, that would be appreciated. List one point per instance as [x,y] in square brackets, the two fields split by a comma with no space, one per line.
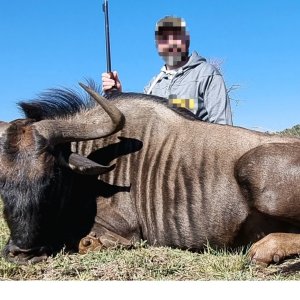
[147,87]
[216,100]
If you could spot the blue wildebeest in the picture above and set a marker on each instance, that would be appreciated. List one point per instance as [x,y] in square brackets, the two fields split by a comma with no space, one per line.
[91,177]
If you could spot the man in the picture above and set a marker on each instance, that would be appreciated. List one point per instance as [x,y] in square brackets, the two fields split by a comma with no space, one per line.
[186,80]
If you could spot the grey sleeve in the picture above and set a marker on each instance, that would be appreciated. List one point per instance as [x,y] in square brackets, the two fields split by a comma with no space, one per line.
[216,100]
[146,88]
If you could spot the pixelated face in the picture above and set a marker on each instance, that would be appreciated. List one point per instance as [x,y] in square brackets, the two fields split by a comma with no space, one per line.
[172,45]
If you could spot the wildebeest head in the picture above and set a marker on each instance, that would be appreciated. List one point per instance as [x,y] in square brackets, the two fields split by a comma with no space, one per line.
[36,165]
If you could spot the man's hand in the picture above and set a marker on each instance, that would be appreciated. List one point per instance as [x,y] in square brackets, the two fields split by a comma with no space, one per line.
[111,80]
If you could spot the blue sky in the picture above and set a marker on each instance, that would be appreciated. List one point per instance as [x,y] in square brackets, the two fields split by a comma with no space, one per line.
[57,43]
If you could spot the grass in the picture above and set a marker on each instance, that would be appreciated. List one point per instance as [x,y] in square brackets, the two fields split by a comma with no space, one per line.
[146,263]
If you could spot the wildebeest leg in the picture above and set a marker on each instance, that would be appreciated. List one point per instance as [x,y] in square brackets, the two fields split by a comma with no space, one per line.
[115,224]
[275,247]
[92,242]
[269,177]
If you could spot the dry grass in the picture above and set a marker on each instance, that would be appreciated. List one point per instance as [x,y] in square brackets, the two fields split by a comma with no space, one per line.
[146,263]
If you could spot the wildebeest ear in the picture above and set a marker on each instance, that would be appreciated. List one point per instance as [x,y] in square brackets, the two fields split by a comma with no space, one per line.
[83,165]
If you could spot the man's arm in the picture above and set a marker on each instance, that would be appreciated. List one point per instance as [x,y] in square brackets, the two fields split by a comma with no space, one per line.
[216,100]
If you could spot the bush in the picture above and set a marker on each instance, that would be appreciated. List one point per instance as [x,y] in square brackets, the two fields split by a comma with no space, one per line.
[294,131]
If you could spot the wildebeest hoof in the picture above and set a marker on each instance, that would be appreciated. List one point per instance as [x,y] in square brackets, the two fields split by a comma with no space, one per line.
[273,248]
[90,243]
[108,240]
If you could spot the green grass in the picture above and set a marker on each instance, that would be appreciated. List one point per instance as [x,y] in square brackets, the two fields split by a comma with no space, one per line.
[146,263]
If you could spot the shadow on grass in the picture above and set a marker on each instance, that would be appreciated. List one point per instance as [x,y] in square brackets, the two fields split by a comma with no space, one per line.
[290,266]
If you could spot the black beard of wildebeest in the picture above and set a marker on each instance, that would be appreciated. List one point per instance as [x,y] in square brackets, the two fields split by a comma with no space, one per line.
[86,177]
[57,209]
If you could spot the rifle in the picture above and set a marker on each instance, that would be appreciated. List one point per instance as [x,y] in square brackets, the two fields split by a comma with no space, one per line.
[107,38]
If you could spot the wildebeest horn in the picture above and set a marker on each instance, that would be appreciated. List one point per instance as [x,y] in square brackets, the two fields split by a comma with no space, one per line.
[75,129]
[84,165]
[111,110]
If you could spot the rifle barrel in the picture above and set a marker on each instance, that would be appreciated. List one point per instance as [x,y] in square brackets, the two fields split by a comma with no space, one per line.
[107,38]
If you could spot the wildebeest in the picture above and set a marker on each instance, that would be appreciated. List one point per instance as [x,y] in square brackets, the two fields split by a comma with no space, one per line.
[132,168]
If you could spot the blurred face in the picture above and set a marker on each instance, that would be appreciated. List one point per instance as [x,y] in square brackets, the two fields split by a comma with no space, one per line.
[172,46]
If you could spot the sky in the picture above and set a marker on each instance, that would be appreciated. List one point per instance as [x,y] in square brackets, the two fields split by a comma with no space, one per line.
[58,43]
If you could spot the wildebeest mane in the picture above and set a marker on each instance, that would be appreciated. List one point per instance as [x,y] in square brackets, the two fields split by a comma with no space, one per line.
[63,102]
[56,103]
